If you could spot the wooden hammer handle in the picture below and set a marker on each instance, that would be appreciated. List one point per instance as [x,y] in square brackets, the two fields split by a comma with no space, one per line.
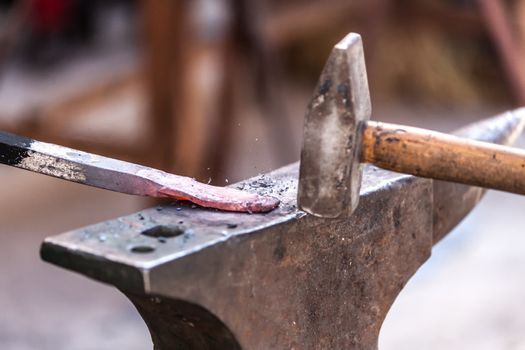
[441,156]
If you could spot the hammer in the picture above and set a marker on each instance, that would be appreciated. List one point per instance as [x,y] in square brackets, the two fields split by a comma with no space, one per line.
[339,137]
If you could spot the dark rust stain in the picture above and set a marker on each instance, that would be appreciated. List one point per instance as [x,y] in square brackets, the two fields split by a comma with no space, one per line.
[392,140]
[280,251]
[325,87]
[396,217]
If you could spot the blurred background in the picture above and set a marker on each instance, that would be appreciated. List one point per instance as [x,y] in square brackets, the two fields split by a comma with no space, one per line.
[217,90]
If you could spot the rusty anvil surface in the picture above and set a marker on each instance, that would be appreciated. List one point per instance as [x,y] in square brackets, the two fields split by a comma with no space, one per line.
[203,279]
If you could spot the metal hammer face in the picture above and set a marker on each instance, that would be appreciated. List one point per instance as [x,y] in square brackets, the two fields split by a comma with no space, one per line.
[330,170]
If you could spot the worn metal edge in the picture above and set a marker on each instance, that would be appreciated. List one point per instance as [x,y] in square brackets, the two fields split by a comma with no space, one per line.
[96,267]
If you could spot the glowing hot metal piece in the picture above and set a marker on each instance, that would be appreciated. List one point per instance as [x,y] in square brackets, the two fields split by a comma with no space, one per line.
[116,175]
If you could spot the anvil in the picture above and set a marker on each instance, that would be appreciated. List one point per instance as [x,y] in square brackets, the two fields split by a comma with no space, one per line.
[206,279]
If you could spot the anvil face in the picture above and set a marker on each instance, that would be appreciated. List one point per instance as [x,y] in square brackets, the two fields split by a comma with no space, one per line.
[207,279]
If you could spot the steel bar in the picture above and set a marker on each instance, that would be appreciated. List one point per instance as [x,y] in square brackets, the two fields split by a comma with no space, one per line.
[116,175]
[203,279]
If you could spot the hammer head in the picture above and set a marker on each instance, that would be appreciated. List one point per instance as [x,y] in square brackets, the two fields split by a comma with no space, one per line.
[330,171]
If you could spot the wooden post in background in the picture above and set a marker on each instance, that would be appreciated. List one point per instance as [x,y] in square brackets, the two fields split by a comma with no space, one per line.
[163,20]
[188,69]
[505,40]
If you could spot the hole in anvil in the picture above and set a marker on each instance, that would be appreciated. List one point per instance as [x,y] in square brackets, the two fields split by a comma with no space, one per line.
[142,249]
[164,231]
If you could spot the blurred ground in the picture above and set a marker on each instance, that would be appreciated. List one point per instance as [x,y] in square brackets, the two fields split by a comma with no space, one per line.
[44,307]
